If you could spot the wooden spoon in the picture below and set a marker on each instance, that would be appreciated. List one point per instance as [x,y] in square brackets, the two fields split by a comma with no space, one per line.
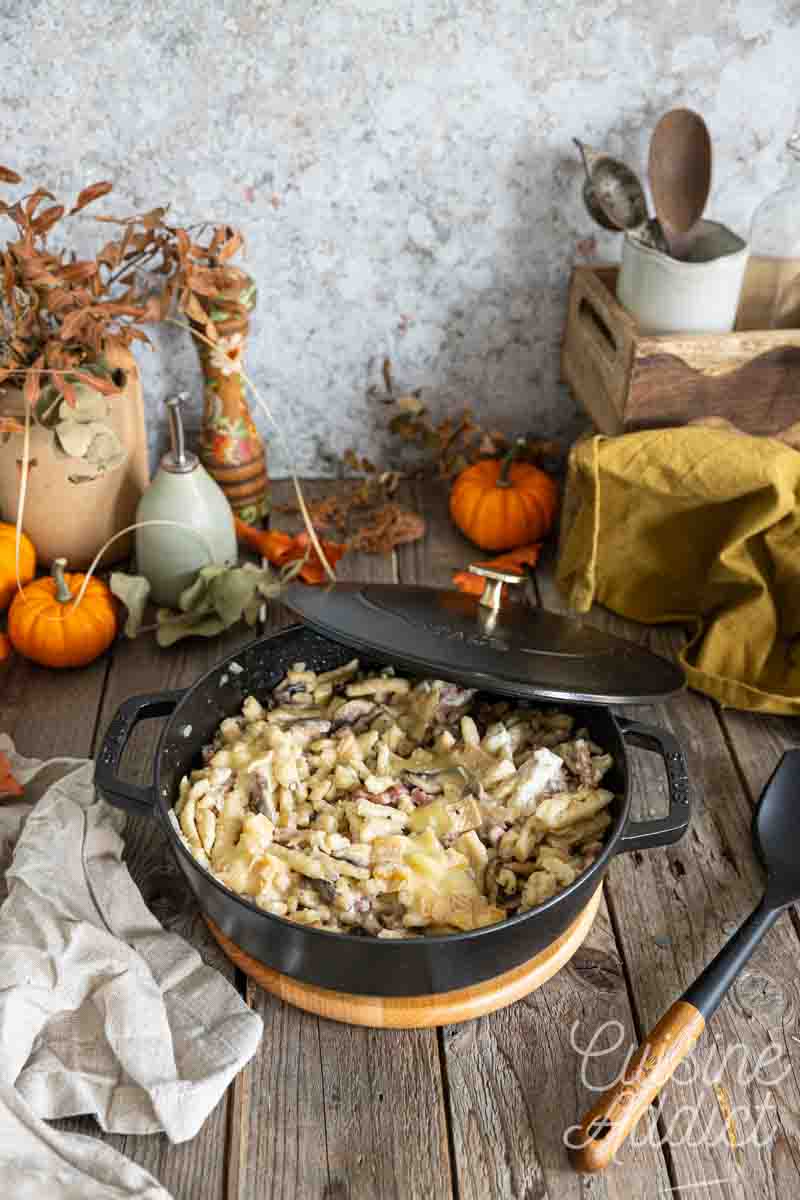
[680,176]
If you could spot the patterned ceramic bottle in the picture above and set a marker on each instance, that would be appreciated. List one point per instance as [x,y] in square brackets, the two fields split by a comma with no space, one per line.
[230,446]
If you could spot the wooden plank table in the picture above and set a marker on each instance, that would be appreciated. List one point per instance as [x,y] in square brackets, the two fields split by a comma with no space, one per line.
[478,1111]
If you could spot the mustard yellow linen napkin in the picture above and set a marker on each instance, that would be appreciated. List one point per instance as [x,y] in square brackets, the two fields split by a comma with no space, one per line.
[699,526]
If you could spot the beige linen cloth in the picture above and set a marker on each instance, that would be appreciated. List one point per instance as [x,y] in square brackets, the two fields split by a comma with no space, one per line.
[101,1010]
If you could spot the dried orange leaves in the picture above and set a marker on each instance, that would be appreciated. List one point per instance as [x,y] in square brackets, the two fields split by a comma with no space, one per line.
[516,562]
[283,549]
[8,784]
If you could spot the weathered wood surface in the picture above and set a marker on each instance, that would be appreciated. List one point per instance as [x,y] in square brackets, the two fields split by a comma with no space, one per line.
[48,712]
[478,1111]
[672,910]
[756,743]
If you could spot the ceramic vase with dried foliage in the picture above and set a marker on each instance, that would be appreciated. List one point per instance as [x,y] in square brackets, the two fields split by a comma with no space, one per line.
[193,267]
[231,447]
[72,446]
[87,466]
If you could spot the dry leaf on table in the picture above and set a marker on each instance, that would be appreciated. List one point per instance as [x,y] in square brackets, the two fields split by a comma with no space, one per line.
[219,598]
[283,549]
[515,561]
[392,525]
[133,591]
[8,784]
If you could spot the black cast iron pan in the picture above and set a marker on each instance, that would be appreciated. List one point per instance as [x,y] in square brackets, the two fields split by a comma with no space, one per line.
[352,963]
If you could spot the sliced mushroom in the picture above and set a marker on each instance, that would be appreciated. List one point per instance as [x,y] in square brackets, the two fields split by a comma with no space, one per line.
[429,782]
[352,711]
[285,691]
[357,853]
[452,699]
[325,890]
[308,730]
[262,787]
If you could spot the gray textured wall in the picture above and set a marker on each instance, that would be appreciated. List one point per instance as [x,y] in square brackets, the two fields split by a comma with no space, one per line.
[403,170]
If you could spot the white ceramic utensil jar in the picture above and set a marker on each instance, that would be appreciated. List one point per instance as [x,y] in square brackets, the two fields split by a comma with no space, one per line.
[169,556]
[699,295]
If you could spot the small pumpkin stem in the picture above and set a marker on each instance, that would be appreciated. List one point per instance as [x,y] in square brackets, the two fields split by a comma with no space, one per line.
[509,458]
[63,594]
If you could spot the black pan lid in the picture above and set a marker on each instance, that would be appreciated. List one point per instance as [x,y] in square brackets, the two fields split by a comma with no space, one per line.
[516,650]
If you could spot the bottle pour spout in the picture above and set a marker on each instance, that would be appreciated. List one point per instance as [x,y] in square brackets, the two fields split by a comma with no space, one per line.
[178,460]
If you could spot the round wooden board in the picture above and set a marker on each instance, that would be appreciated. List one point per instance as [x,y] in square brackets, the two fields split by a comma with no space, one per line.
[417,1012]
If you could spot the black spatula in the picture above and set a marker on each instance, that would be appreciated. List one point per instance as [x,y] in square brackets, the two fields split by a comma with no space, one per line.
[776,836]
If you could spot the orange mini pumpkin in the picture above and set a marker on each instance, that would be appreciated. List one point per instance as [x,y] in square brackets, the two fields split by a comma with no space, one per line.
[500,503]
[46,626]
[8,569]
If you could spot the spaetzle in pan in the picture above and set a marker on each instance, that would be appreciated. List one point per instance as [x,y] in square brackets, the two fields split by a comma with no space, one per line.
[367,802]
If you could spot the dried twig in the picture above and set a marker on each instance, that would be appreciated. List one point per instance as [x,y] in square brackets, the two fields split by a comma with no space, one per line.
[367,513]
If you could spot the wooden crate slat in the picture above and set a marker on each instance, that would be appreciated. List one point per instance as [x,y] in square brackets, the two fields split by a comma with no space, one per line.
[597,349]
[629,380]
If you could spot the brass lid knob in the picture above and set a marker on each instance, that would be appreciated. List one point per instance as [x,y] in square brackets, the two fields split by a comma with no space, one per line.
[493,590]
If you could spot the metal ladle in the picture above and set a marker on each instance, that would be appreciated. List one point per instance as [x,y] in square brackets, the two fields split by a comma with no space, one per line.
[612,192]
[614,197]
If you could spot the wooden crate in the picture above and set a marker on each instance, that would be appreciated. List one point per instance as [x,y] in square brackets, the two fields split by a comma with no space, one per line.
[628,380]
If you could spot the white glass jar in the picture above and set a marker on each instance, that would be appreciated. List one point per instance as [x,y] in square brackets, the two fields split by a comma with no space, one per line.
[771,294]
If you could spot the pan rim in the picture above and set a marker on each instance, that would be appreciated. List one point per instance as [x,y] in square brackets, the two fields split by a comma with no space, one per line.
[597,868]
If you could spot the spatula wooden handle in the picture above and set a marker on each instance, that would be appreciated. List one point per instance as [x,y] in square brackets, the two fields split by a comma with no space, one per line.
[604,1129]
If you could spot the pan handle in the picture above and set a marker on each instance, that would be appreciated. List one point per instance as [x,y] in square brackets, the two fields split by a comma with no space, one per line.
[133,797]
[663,831]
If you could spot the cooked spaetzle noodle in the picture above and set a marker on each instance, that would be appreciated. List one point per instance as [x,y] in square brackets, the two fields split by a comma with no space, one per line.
[359,801]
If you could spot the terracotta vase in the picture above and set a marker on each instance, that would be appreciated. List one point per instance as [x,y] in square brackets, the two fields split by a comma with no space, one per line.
[230,446]
[73,520]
